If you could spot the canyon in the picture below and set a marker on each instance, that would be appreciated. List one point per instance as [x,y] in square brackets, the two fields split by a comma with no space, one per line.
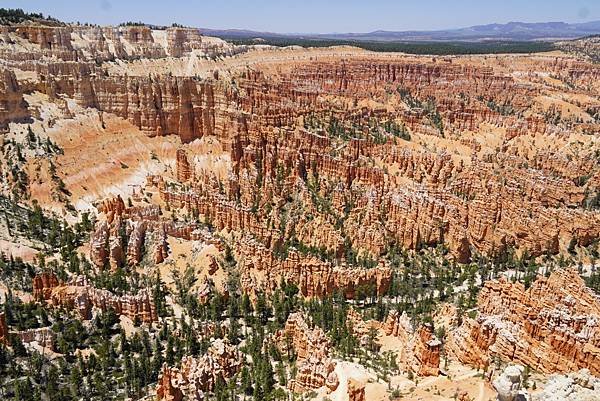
[245,209]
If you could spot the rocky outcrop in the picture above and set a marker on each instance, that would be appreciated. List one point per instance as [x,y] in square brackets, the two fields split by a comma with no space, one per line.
[198,376]
[312,347]
[577,386]
[43,337]
[13,107]
[182,41]
[508,385]
[420,350]
[79,295]
[262,271]
[47,37]
[167,388]
[78,42]
[123,235]
[303,340]
[314,373]
[356,390]
[184,171]
[43,284]
[397,325]
[367,332]
[426,350]
[551,326]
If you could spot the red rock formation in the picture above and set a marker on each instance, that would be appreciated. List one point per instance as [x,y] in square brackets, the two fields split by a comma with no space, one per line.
[427,352]
[356,390]
[140,228]
[551,326]
[312,347]
[397,325]
[314,373]
[420,350]
[81,296]
[182,41]
[47,37]
[167,388]
[184,171]
[44,337]
[198,375]
[12,106]
[362,330]
[291,135]
[314,278]
[43,284]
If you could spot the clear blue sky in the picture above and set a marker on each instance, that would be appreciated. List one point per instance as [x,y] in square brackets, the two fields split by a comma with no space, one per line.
[315,16]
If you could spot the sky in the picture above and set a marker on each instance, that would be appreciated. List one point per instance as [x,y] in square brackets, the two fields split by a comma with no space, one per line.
[314,16]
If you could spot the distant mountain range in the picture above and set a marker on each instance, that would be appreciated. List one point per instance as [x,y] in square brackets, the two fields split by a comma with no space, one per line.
[512,31]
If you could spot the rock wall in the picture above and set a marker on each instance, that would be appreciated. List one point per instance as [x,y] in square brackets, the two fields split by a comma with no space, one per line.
[77,43]
[551,326]
[183,168]
[13,107]
[43,284]
[261,271]
[420,349]
[81,296]
[44,337]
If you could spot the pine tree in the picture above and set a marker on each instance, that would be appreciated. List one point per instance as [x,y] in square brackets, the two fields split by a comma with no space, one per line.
[246,381]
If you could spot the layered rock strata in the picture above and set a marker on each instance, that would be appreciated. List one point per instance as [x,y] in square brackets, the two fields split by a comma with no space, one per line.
[12,105]
[551,326]
[80,296]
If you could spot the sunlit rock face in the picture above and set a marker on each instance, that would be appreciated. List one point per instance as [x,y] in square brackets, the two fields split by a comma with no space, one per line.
[551,326]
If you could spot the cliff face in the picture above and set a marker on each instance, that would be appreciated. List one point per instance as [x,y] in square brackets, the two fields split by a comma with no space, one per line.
[76,43]
[182,41]
[198,375]
[47,37]
[81,296]
[551,326]
[43,284]
[420,349]
[12,105]
[44,337]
